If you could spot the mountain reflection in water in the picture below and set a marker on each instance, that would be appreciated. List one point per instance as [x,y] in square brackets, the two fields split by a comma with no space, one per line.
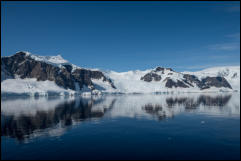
[29,117]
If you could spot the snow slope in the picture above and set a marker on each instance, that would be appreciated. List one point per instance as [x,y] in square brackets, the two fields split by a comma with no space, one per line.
[130,82]
[53,60]
[58,61]
[230,73]
[31,86]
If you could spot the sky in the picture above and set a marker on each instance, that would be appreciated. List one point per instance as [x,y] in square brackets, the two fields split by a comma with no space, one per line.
[123,36]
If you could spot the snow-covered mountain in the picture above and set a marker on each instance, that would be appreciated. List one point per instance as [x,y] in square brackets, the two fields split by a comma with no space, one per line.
[167,80]
[25,73]
[230,73]
[44,75]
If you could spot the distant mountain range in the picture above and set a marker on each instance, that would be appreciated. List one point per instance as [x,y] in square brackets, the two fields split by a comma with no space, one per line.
[27,74]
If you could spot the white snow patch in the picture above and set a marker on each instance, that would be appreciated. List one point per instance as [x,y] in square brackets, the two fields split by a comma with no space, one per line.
[32,86]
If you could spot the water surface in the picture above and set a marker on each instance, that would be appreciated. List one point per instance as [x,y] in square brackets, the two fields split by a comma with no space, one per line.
[184,126]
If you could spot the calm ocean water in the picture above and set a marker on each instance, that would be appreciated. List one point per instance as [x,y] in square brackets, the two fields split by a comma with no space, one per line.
[184,126]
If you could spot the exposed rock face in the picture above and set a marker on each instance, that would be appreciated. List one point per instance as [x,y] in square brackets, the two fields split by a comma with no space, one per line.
[150,76]
[4,73]
[170,83]
[207,82]
[184,80]
[24,66]
[235,75]
[192,79]
[154,76]
[158,69]
[216,82]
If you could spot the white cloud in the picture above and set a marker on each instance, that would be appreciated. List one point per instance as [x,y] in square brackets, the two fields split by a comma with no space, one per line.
[233,44]
[225,46]
[235,36]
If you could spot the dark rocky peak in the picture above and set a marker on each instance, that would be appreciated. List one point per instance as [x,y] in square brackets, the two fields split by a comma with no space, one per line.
[235,75]
[206,82]
[25,66]
[216,82]
[190,79]
[151,76]
[68,67]
[170,69]
[21,53]
[158,69]
[170,83]
[18,57]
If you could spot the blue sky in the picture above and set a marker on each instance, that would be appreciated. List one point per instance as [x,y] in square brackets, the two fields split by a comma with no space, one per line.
[124,36]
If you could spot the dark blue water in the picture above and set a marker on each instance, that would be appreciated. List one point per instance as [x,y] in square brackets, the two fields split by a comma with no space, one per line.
[122,127]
